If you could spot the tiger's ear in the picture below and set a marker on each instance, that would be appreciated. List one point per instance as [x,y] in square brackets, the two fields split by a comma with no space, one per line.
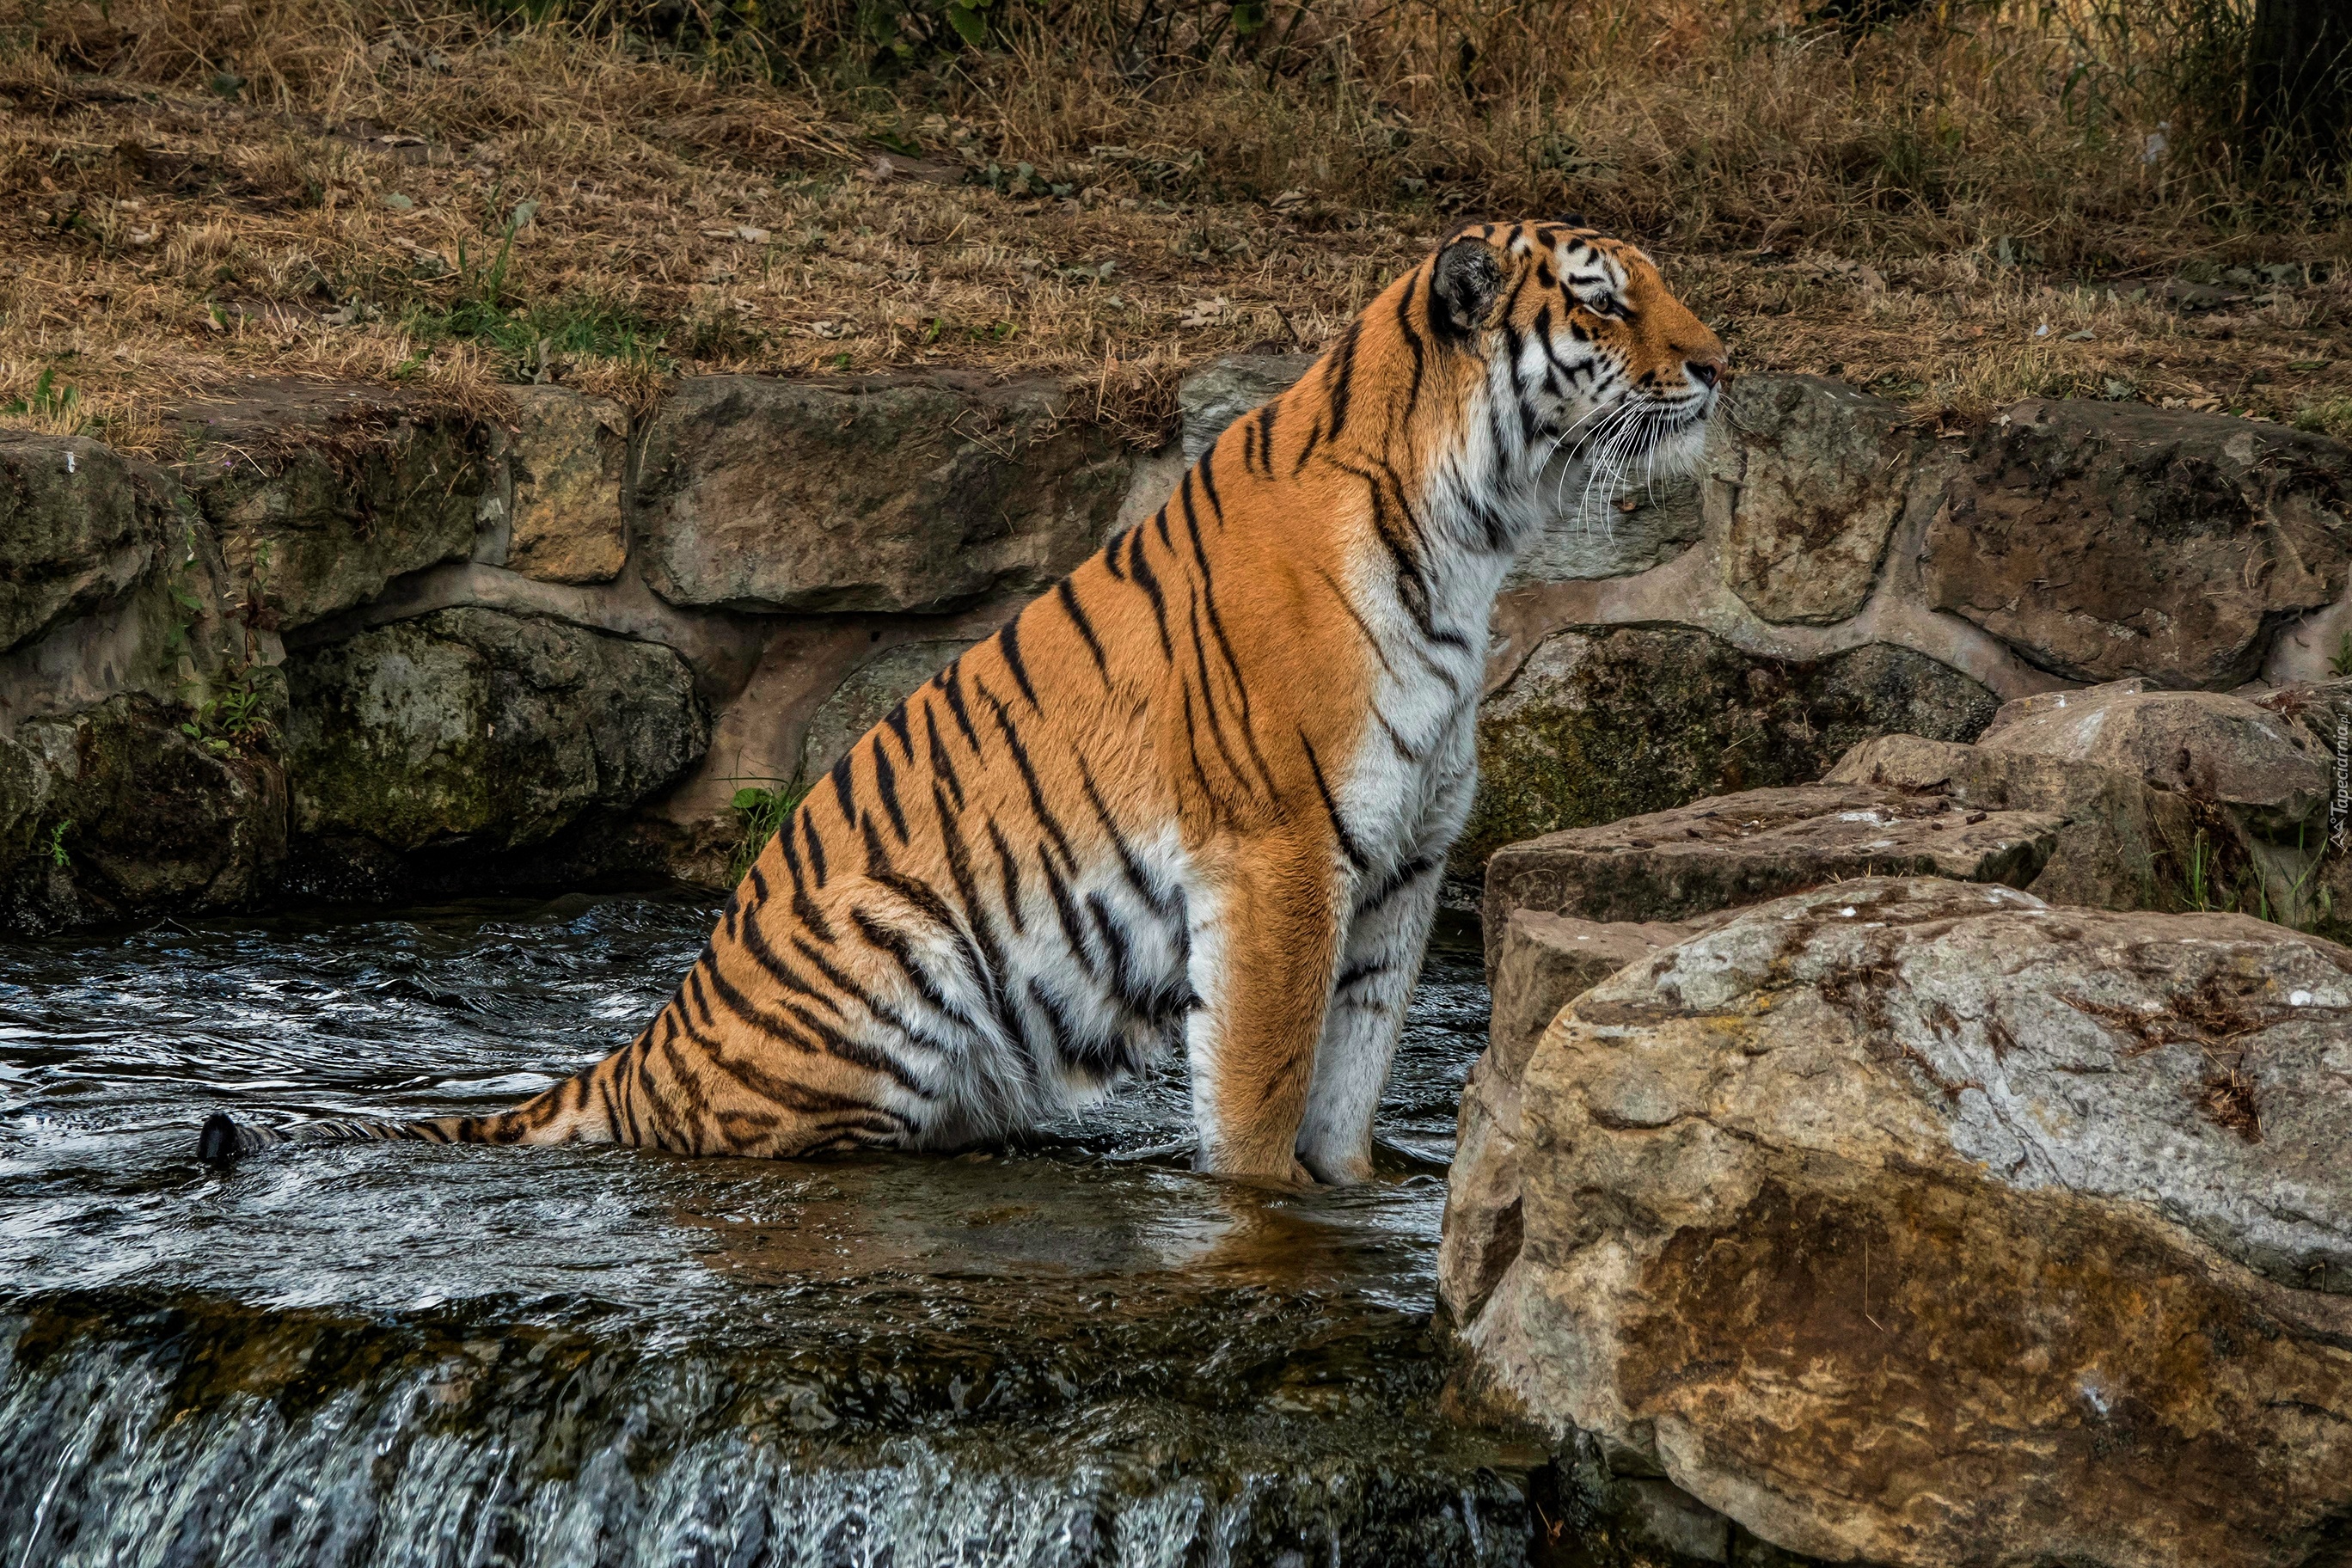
[1464,286]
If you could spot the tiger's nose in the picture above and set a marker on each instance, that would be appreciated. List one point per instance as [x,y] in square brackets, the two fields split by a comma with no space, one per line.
[1706,373]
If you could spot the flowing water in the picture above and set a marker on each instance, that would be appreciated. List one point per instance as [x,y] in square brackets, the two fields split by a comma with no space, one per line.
[1072,1352]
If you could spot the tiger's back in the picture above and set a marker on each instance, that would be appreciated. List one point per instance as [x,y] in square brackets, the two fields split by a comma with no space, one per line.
[1198,795]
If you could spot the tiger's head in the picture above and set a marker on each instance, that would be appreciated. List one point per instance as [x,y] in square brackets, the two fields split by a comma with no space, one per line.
[1589,358]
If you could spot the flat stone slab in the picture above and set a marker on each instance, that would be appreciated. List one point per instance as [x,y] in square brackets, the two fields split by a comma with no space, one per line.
[1727,850]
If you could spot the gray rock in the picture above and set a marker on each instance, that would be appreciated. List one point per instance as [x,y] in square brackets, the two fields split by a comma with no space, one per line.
[1225,389]
[2226,749]
[1604,723]
[1644,527]
[321,495]
[567,450]
[923,494]
[866,694]
[2122,843]
[1727,850]
[77,529]
[482,728]
[2105,541]
[1918,1223]
[1813,476]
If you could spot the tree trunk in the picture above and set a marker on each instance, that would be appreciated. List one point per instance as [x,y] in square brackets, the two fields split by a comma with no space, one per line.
[2299,82]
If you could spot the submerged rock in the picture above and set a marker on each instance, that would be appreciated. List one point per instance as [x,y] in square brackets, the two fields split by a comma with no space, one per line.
[481,728]
[1601,723]
[1920,1222]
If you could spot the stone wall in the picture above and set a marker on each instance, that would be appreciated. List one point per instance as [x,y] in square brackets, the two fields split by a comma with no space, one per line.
[347,643]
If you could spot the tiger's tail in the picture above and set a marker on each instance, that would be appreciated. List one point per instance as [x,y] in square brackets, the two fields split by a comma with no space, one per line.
[558,1115]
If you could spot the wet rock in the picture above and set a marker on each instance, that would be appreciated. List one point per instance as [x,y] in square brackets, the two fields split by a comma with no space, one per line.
[79,526]
[320,496]
[1813,476]
[866,694]
[483,729]
[1918,1223]
[1225,389]
[1601,723]
[1727,850]
[2226,749]
[119,809]
[2105,541]
[884,495]
[567,450]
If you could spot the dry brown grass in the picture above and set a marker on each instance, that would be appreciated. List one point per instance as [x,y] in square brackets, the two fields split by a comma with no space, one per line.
[1909,210]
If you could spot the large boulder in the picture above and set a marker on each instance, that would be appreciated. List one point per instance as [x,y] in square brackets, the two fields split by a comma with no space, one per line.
[1912,1222]
[79,527]
[1726,850]
[1605,723]
[758,493]
[1813,476]
[321,495]
[2104,541]
[479,728]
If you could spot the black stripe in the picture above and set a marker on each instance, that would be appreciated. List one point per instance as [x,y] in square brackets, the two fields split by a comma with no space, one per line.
[815,846]
[1343,375]
[941,764]
[1011,873]
[1208,472]
[896,719]
[1129,868]
[1347,845]
[1356,615]
[1065,913]
[841,788]
[1069,598]
[1110,556]
[1412,340]
[1266,438]
[1009,642]
[886,784]
[1141,570]
[950,681]
[1037,807]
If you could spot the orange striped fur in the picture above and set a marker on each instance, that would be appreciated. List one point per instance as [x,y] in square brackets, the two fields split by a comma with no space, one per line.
[1198,796]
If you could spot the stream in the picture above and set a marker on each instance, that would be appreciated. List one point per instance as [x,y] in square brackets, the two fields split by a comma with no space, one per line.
[1074,1351]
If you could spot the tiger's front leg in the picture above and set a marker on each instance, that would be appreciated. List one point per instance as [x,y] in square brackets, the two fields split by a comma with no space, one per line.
[1378,965]
[1380,960]
[1265,940]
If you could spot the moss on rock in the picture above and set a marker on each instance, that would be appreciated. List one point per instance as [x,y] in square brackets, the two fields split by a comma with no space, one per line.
[1609,722]
[482,728]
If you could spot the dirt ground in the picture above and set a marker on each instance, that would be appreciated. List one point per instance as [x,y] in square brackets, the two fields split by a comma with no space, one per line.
[455,205]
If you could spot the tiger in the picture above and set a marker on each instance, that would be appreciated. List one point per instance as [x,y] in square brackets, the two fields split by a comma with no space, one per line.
[1198,795]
